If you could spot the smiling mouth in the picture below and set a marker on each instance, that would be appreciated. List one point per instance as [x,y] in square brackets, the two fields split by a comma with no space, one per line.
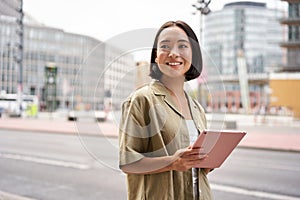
[174,63]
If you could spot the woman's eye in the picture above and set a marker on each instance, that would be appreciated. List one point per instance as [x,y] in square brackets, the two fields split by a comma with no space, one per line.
[164,46]
[183,46]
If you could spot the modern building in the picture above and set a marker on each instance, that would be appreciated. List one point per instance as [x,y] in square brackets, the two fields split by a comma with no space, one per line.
[119,76]
[81,62]
[241,35]
[285,84]
[292,44]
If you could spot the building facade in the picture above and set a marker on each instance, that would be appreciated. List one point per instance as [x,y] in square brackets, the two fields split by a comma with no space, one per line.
[242,33]
[119,76]
[292,44]
[285,84]
[81,63]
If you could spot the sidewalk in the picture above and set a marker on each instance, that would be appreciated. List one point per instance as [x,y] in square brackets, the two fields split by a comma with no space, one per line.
[276,133]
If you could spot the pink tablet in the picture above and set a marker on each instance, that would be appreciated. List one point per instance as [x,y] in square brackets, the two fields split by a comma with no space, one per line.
[218,145]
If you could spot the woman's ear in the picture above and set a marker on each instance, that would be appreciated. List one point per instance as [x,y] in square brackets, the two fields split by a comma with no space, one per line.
[156,60]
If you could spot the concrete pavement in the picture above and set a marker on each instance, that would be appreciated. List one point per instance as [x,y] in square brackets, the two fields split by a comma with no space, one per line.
[268,132]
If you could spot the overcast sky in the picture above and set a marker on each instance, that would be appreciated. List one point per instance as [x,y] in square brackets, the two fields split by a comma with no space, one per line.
[103,19]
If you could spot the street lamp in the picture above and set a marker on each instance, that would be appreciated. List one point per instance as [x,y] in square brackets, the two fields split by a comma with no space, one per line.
[202,7]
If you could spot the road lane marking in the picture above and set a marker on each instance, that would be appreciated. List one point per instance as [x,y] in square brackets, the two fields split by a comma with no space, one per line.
[7,196]
[46,161]
[253,193]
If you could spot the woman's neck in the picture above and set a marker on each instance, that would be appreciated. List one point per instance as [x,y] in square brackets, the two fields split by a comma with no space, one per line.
[175,85]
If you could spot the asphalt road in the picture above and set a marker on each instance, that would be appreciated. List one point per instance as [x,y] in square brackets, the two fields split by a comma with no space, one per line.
[57,166]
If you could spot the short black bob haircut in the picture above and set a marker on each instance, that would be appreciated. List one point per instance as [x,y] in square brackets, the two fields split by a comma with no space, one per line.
[196,66]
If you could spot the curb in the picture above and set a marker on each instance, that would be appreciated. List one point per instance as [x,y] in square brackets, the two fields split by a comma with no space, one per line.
[268,149]
[8,196]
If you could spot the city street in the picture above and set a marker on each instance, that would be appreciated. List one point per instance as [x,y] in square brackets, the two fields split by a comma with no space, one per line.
[69,71]
[48,166]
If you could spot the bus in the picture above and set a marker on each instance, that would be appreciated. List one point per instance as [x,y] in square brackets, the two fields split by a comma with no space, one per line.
[9,105]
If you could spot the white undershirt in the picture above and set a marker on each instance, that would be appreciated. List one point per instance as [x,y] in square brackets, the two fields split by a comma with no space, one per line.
[193,133]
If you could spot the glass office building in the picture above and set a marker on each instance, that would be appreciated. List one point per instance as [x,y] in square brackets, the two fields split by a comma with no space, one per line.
[241,29]
[80,60]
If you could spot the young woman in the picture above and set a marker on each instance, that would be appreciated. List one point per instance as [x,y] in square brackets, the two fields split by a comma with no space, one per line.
[160,121]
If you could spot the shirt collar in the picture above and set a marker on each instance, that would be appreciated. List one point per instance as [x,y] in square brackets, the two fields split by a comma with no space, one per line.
[160,90]
[197,115]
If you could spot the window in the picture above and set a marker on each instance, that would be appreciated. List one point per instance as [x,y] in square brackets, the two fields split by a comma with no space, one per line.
[294,10]
[294,33]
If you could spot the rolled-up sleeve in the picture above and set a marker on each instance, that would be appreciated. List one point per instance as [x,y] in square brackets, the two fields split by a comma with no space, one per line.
[133,132]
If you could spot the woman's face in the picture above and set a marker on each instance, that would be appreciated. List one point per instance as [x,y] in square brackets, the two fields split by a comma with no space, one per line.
[174,52]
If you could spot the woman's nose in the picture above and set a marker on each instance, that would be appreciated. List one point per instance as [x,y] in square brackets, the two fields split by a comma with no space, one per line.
[174,53]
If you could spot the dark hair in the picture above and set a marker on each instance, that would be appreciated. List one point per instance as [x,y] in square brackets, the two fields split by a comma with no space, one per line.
[196,65]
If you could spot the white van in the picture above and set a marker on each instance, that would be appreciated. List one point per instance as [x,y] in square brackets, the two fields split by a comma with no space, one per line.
[9,104]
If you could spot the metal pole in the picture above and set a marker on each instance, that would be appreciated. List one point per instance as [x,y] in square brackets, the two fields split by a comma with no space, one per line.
[203,9]
[19,57]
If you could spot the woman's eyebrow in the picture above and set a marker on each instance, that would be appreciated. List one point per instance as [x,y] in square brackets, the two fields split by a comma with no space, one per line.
[164,41]
[183,40]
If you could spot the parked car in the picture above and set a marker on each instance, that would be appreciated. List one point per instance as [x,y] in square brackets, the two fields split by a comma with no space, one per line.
[99,115]
[72,116]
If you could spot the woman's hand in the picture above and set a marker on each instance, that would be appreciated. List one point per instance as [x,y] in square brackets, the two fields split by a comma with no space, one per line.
[185,159]
[182,160]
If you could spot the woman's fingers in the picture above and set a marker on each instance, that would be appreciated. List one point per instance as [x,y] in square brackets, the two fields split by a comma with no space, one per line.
[188,161]
[188,152]
[194,156]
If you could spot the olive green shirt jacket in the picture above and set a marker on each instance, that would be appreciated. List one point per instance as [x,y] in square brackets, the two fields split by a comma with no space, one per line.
[152,126]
